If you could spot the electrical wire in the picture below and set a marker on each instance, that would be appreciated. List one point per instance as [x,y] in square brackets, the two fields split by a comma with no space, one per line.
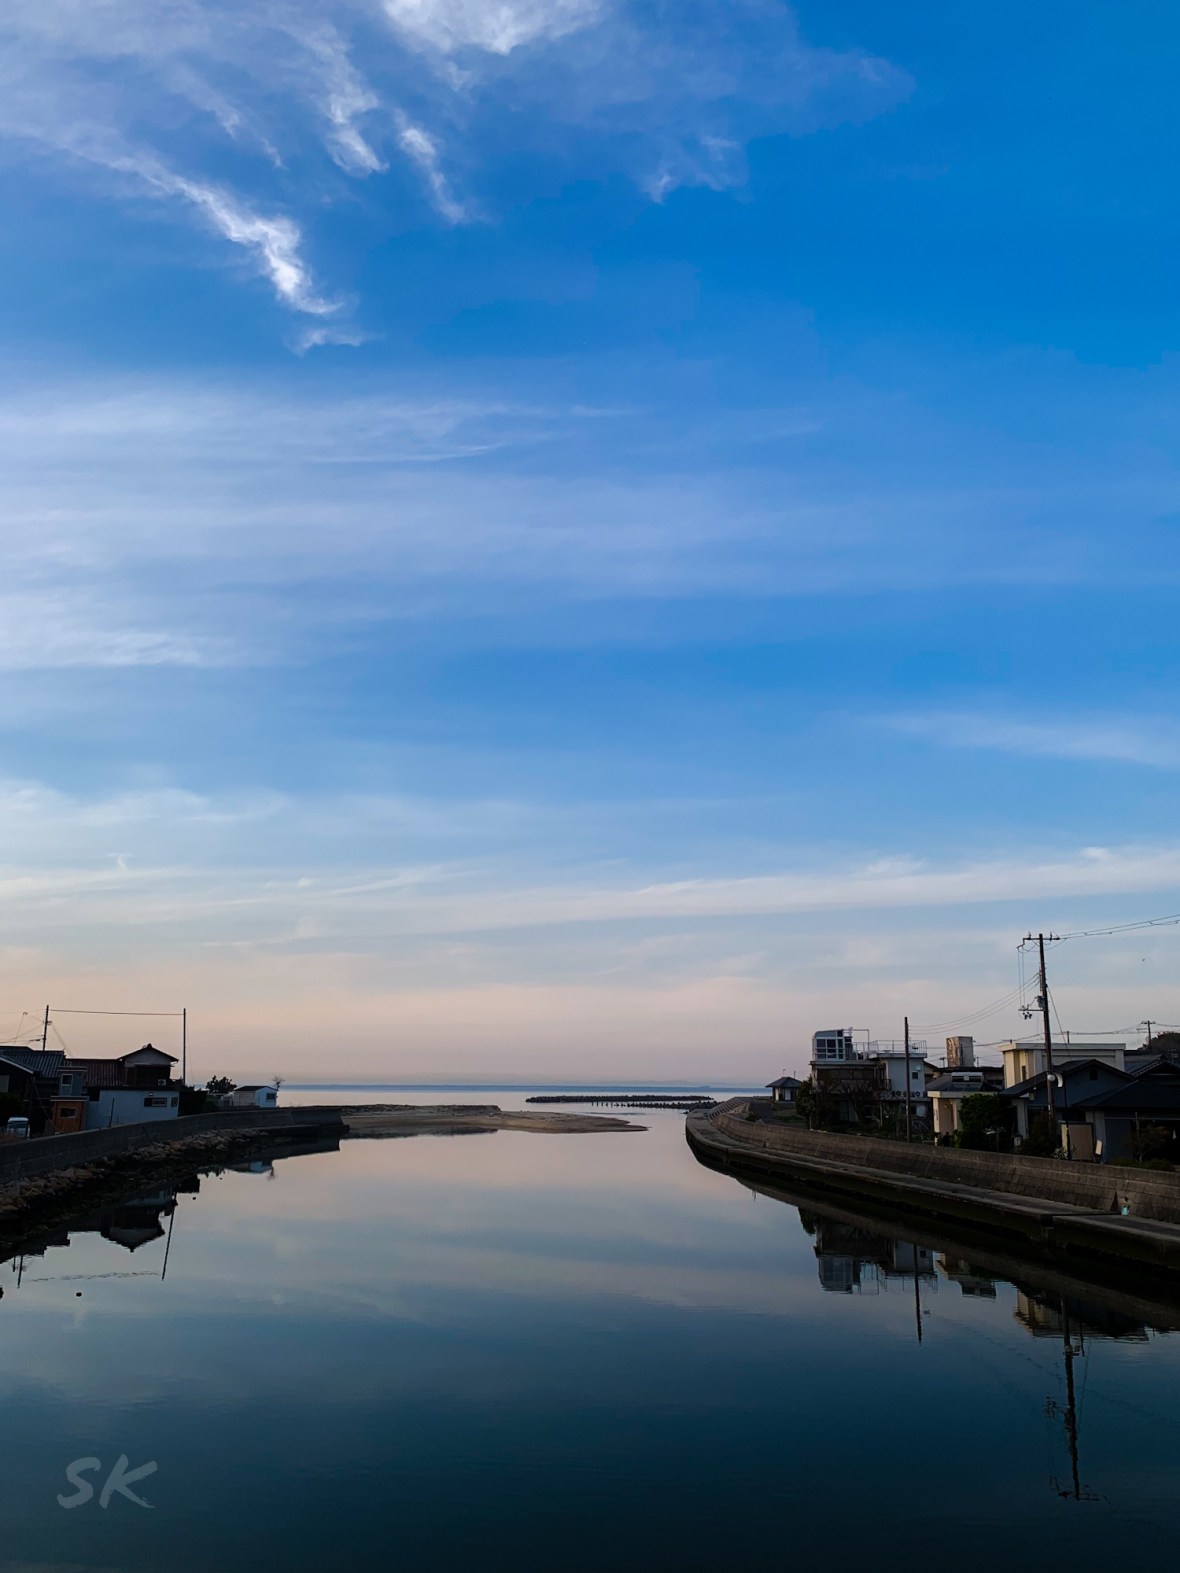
[1123,928]
[59,1011]
[969,1017]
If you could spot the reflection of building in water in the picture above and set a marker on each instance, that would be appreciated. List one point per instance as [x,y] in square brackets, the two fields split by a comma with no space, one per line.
[973,1281]
[1053,1316]
[132,1223]
[851,1258]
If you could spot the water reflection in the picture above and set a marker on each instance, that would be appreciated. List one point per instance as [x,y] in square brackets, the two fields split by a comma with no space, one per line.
[856,1254]
[548,1352]
[137,1219]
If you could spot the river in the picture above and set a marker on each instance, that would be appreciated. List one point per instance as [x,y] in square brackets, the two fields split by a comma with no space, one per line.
[527,1352]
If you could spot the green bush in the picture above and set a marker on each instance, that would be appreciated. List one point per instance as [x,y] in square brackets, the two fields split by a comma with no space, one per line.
[984,1123]
[1042,1140]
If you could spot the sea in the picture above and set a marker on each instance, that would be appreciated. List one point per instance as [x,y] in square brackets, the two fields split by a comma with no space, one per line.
[540,1353]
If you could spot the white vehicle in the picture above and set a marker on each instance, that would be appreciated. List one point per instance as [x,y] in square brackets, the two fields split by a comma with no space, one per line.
[17,1128]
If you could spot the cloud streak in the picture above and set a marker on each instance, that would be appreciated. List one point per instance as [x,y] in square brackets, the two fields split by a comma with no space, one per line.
[156,92]
[1104,739]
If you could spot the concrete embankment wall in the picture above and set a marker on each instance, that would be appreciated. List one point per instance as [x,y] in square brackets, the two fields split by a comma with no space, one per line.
[45,1155]
[1099,1187]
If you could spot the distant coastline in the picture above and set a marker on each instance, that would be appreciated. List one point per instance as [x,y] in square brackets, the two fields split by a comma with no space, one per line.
[520,1086]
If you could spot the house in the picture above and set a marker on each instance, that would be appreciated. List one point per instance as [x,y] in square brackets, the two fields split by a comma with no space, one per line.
[892,1060]
[134,1089]
[31,1075]
[1026,1058]
[1100,1106]
[784,1089]
[856,1078]
[252,1097]
[947,1091]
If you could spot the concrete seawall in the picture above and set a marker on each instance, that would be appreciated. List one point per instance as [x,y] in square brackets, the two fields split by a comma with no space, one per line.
[1070,1207]
[45,1155]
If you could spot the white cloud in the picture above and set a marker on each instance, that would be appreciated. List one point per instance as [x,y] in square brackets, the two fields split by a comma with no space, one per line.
[155,90]
[495,26]
[421,147]
[1112,739]
[274,243]
[346,99]
[257,865]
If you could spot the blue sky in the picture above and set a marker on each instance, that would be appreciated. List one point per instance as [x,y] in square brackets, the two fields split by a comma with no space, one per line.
[588,537]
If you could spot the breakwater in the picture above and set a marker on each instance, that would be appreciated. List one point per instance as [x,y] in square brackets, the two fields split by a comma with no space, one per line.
[1100,1210]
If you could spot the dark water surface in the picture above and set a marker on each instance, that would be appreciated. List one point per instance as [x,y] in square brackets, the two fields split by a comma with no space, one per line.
[513,1351]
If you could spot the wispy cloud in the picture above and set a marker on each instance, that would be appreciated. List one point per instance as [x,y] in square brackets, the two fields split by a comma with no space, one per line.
[421,147]
[499,27]
[1109,739]
[154,91]
[274,243]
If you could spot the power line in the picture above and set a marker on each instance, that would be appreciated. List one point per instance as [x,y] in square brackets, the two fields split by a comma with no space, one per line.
[1124,928]
[176,1014]
[968,1017]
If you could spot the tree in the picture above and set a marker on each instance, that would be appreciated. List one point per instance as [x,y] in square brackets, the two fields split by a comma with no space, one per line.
[1165,1043]
[983,1122]
[805,1100]
[1151,1143]
[218,1086]
[1042,1140]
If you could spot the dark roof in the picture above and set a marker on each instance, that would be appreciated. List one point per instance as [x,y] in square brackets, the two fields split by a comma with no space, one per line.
[100,1073]
[35,1062]
[781,1081]
[145,1046]
[1067,1069]
[1157,1088]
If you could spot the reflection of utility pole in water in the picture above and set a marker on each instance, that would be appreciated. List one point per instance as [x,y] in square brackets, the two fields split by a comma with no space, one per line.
[1071,1407]
[168,1242]
[1070,1417]
[917,1292]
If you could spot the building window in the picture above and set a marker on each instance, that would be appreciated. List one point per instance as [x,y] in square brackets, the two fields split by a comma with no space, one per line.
[155,1103]
[172,1103]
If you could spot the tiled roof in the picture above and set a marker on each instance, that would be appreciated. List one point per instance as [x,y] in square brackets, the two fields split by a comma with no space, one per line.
[100,1073]
[40,1062]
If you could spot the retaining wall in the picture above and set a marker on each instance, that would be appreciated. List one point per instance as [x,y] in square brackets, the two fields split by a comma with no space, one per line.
[44,1155]
[1102,1187]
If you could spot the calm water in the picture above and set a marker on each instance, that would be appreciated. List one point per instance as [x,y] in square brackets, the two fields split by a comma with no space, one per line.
[556,1352]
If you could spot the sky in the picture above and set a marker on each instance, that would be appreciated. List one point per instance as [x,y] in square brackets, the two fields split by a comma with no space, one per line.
[576,539]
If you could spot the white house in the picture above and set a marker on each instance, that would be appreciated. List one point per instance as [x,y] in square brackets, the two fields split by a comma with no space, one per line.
[134,1089]
[254,1097]
[833,1046]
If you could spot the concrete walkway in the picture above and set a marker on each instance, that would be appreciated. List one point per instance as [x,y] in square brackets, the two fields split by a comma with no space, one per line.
[1057,1226]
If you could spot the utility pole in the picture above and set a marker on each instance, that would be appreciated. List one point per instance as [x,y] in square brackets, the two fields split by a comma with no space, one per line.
[909,1103]
[45,1031]
[1147,1040]
[1044,1004]
[184,1046]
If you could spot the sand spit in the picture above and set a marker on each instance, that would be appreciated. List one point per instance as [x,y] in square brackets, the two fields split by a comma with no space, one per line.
[454,1119]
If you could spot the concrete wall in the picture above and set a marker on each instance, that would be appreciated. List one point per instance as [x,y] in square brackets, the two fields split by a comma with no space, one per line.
[1105,1188]
[21,1160]
[125,1106]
